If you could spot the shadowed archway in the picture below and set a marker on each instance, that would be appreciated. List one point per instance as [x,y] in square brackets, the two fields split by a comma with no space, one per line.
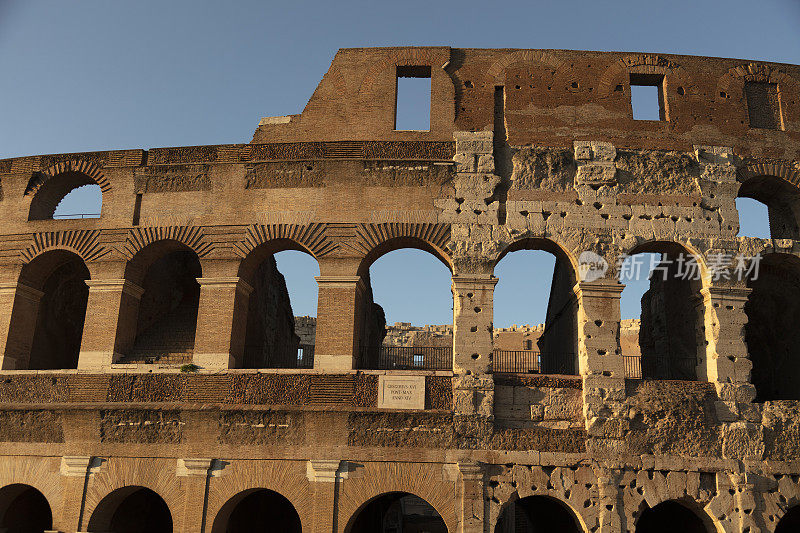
[23,509]
[257,510]
[132,509]
[396,512]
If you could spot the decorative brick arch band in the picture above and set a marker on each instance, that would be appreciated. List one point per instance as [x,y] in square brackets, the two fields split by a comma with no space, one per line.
[641,64]
[80,166]
[788,171]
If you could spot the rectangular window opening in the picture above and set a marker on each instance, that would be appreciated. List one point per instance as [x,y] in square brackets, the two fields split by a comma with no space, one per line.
[413,104]
[763,105]
[647,97]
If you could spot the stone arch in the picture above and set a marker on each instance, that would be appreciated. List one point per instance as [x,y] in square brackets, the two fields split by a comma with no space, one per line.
[420,479]
[790,522]
[257,509]
[370,316]
[267,338]
[405,511]
[775,184]
[496,72]
[672,332]
[538,513]
[408,56]
[376,240]
[190,236]
[160,324]
[558,343]
[287,478]
[132,509]
[48,187]
[770,332]
[48,313]
[732,82]
[83,243]
[41,474]
[673,515]
[24,509]
[618,71]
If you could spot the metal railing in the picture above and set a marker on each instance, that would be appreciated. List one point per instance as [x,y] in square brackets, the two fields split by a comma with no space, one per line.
[305,356]
[650,367]
[75,215]
[406,358]
[516,362]
[532,362]
[633,366]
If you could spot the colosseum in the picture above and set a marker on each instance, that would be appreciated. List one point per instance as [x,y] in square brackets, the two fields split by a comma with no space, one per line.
[154,377]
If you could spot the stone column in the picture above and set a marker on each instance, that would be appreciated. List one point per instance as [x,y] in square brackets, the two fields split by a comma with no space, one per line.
[473,387]
[75,471]
[110,326]
[599,357]
[337,342]
[728,364]
[19,309]
[221,322]
[326,475]
[195,492]
[471,498]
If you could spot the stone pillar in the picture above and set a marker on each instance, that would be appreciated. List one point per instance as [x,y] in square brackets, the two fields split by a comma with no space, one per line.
[473,386]
[75,471]
[195,492]
[728,364]
[471,498]
[221,322]
[326,475]
[19,306]
[337,341]
[600,359]
[110,326]
[729,367]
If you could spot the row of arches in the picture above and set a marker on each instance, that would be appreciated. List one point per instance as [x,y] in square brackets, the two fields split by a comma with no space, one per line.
[47,320]
[136,509]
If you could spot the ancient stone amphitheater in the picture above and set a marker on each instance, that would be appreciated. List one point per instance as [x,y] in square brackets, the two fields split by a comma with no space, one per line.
[152,379]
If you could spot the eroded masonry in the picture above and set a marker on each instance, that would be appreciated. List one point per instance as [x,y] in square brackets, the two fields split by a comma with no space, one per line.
[154,377]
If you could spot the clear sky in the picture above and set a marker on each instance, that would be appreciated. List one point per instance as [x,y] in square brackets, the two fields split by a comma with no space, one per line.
[97,75]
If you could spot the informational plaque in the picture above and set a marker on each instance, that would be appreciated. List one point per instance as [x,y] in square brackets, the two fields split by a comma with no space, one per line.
[401,392]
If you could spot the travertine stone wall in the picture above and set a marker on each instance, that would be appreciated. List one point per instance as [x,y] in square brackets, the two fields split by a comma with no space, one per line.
[528,150]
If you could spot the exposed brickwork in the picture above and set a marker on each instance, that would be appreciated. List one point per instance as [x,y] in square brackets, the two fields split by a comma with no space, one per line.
[527,150]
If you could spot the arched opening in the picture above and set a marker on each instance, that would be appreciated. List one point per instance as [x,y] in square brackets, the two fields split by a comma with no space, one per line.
[166,316]
[67,195]
[49,311]
[281,274]
[132,510]
[790,523]
[783,205]
[535,310]
[257,510]
[405,310]
[397,512]
[771,333]
[662,332]
[23,509]
[668,517]
[537,514]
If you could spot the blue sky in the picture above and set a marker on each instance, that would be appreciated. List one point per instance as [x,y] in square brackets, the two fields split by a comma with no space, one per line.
[96,75]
